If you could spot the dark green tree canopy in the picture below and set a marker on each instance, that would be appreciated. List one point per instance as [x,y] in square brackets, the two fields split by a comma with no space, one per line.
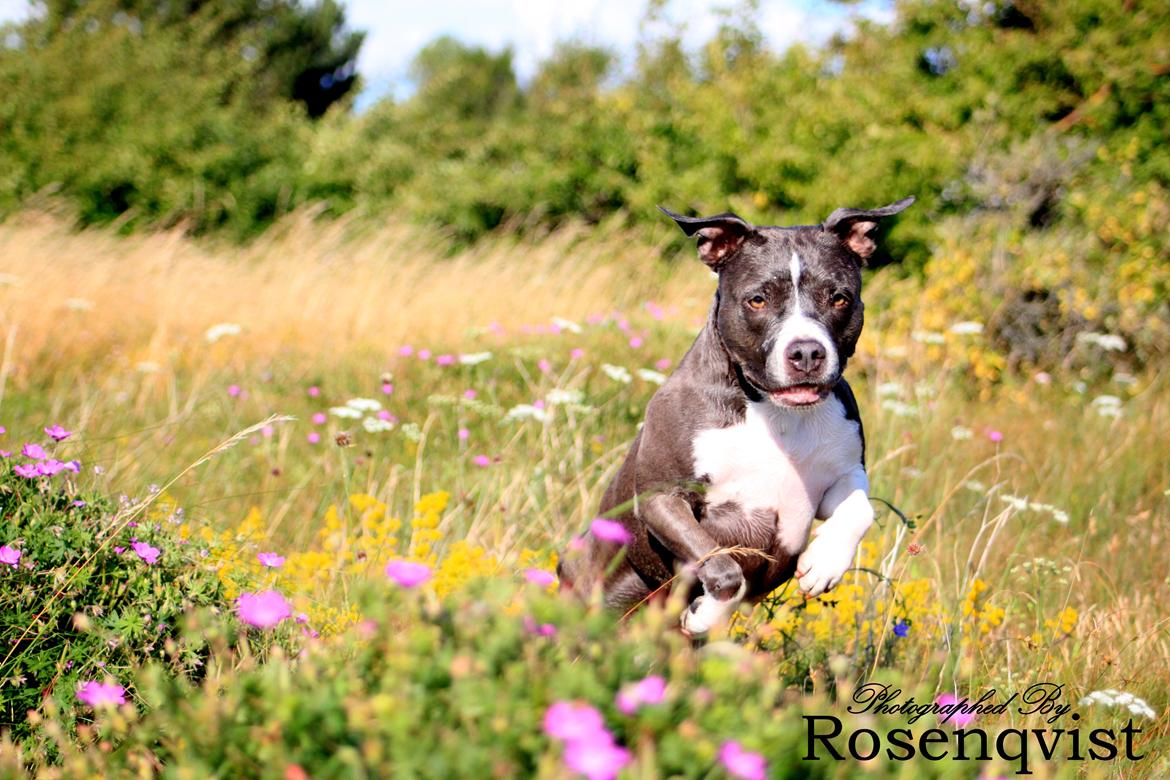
[301,51]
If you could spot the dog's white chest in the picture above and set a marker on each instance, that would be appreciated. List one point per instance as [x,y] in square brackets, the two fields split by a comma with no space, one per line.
[779,460]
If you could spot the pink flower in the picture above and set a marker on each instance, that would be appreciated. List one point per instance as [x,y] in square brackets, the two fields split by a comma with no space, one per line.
[543,629]
[651,690]
[445,360]
[147,553]
[995,436]
[406,350]
[655,310]
[387,388]
[27,470]
[577,354]
[271,560]
[234,391]
[314,437]
[570,722]
[262,610]
[596,757]
[662,364]
[10,555]
[424,354]
[36,451]
[741,763]
[267,431]
[464,434]
[636,342]
[385,415]
[57,433]
[408,574]
[544,366]
[610,531]
[540,577]
[97,694]
[483,461]
[50,467]
[320,418]
[314,391]
[470,394]
[955,713]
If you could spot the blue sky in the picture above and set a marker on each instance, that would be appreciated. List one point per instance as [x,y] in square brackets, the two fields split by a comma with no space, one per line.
[398,28]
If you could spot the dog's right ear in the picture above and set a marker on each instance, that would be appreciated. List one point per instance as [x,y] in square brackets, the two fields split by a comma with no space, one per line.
[720,236]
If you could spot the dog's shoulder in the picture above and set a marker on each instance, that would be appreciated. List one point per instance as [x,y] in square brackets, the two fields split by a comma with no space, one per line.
[844,393]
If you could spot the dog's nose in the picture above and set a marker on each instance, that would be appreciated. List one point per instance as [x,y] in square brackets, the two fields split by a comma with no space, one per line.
[806,357]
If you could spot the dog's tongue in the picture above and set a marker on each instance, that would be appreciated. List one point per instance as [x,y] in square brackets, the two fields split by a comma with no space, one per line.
[798,395]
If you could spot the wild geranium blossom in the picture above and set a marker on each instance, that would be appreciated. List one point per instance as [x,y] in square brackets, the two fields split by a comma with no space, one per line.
[57,433]
[146,552]
[742,763]
[10,556]
[27,470]
[270,559]
[596,757]
[954,710]
[568,722]
[651,690]
[263,610]
[34,451]
[540,576]
[408,574]
[589,747]
[97,694]
[610,531]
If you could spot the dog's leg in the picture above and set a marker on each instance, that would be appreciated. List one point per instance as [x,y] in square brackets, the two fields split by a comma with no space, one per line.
[830,554]
[670,519]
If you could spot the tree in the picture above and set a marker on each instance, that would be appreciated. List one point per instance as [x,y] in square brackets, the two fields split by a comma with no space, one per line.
[299,52]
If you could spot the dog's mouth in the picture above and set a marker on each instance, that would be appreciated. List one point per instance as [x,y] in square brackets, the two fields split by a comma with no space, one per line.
[797,396]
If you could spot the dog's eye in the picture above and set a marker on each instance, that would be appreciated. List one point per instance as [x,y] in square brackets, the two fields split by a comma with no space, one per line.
[840,300]
[756,302]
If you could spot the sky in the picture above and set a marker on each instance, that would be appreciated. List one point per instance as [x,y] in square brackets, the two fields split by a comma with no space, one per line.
[397,29]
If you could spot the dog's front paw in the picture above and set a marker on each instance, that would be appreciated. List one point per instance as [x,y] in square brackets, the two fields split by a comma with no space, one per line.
[706,612]
[822,565]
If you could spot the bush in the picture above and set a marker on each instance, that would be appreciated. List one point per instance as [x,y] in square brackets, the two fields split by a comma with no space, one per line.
[89,589]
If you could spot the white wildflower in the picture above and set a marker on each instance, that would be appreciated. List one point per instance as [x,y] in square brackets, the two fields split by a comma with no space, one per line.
[1106,341]
[375,425]
[960,433]
[975,485]
[1107,405]
[411,431]
[899,409]
[650,375]
[347,412]
[617,373]
[1015,502]
[474,358]
[929,337]
[558,396]
[522,412]
[218,331]
[1111,697]
[889,389]
[364,404]
[967,328]
[568,325]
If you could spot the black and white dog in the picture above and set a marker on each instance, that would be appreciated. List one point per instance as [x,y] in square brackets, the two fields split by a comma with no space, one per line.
[754,435]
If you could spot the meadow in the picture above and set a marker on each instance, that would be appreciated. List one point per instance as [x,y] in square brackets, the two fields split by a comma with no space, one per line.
[345,396]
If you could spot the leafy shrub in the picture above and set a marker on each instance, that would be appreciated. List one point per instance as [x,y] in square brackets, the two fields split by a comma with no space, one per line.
[96,588]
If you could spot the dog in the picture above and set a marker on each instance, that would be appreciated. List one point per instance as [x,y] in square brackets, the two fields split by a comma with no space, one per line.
[753,436]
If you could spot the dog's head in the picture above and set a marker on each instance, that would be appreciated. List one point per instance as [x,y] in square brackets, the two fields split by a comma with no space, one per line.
[789,299]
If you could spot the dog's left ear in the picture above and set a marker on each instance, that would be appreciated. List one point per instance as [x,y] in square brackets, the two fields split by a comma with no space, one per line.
[719,236]
[854,226]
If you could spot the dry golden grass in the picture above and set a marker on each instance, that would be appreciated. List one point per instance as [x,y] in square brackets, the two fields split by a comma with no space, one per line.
[307,286]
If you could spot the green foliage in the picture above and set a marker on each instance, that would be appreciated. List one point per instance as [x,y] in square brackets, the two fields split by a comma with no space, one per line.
[81,604]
